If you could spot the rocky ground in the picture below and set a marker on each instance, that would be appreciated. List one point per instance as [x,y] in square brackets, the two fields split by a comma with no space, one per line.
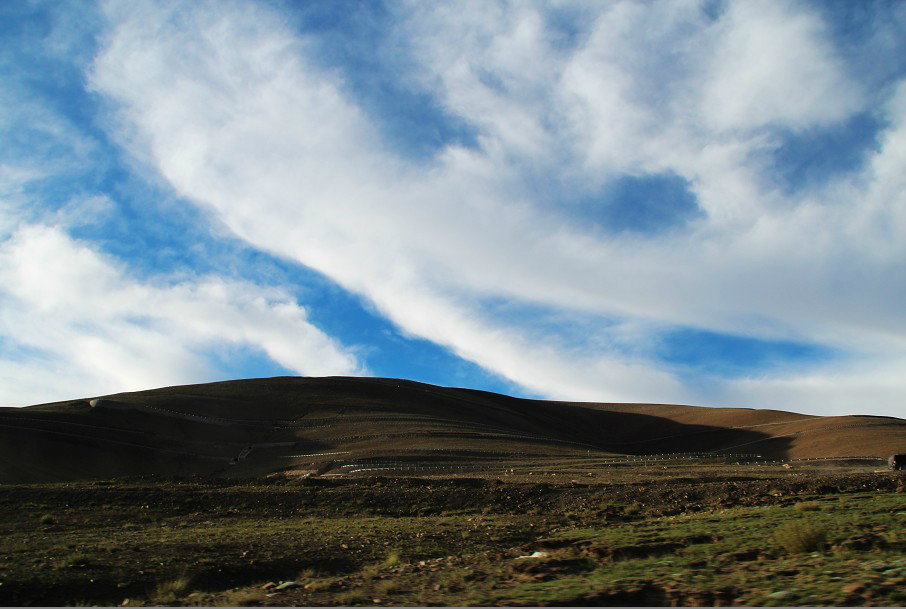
[721,536]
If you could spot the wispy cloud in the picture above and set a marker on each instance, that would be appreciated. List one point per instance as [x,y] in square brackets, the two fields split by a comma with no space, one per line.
[586,185]
[237,113]
[76,319]
[75,324]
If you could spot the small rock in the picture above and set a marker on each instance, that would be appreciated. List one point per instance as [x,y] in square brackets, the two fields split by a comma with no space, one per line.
[125,603]
[286,586]
[376,601]
[780,594]
[854,588]
[534,555]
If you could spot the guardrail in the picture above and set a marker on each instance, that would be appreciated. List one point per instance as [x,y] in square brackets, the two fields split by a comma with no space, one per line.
[737,459]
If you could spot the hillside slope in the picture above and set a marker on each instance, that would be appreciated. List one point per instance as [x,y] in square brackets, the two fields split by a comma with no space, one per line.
[349,426]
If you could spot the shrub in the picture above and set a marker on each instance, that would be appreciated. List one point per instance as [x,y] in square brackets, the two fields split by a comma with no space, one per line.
[632,509]
[807,506]
[307,574]
[801,536]
[77,559]
[47,519]
[166,593]
[372,570]
[350,597]
[73,559]
[393,558]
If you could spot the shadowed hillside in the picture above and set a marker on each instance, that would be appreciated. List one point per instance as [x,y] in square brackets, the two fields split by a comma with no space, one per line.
[356,426]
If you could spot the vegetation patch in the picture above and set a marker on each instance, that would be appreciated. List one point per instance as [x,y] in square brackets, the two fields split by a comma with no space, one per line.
[801,536]
[252,543]
[169,591]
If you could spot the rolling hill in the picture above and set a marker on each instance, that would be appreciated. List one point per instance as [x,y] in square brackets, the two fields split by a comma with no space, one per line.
[354,426]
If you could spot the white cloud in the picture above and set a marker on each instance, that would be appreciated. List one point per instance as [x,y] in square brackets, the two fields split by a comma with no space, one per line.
[74,323]
[884,206]
[773,64]
[84,210]
[874,387]
[230,106]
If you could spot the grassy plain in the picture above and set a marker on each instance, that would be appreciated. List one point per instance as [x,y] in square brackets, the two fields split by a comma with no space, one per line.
[732,537]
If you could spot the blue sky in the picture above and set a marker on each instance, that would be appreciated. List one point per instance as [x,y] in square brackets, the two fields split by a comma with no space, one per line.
[689,202]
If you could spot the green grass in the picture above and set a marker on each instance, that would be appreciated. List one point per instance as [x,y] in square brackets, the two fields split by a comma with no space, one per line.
[735,550]
[216,544]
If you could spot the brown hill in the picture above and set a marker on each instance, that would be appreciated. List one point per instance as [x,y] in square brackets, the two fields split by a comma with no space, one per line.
[353,426]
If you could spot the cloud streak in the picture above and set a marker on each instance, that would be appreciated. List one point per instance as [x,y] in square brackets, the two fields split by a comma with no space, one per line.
[584,186]
[237,113]
[76,324]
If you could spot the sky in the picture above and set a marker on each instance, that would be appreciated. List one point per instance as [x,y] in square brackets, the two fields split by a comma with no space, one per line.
[695,201]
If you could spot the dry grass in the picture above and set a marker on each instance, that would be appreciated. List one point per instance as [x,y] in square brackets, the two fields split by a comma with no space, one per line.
[166,593]
[372,571]
[240,598]
[800,536]
[308,574]
[319,585]
[807,506]
[387,587]
[632,509]
[74,560]
[393,559]
[351,597]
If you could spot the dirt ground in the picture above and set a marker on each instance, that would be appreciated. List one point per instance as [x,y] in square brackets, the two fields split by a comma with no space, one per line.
[452,541]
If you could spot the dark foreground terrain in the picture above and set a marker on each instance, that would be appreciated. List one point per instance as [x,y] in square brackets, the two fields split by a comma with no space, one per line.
[349,491]
[670,533]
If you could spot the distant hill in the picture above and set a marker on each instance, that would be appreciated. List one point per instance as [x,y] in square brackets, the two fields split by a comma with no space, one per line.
[342,425]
